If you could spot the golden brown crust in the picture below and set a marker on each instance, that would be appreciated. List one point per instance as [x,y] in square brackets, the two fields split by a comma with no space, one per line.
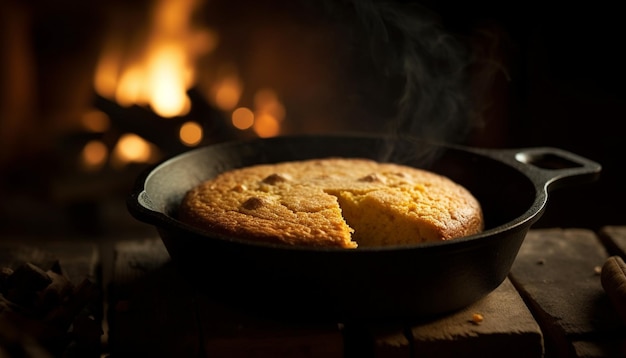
[334,202]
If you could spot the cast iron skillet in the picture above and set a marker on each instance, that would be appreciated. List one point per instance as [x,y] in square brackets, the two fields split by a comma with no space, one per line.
[413,281]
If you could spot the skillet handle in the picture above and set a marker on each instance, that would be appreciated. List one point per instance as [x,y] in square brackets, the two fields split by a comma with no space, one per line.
[549,167]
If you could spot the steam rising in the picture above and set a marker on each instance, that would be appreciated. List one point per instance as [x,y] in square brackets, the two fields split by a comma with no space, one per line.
[421,67]
[351,65]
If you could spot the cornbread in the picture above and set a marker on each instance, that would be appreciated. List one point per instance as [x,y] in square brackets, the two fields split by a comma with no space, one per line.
[333,202]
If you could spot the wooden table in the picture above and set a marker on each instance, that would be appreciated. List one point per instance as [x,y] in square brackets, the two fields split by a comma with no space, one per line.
[551,305]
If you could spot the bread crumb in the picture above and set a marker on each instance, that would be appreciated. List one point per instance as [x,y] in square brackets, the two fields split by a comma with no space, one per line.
[477,318]
[597,270]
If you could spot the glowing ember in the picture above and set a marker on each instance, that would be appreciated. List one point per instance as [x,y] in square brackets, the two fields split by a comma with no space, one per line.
[227,93]
[266,126]
[242,118]
[266,101]
[190,133]
[95,121]
[131,148]
[94,155]
[266,117]
[269,112]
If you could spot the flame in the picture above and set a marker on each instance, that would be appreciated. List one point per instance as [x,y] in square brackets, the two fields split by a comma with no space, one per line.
[159,75]
[107,69]
[168,97]
[131,148]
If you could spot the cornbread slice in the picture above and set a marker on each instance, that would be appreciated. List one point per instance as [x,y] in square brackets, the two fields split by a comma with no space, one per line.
[333,202]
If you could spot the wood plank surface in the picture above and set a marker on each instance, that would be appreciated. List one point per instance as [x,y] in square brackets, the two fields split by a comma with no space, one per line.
[558,273]
[552,305]
[150,298]
[498,325]
[507,329]
[225,332]
[222,330]
[614,238]
[151,309]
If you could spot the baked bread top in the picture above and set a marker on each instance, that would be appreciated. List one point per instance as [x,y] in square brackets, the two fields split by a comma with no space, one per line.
[333,202]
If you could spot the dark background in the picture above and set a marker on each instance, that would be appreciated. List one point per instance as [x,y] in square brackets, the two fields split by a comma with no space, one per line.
[568,92]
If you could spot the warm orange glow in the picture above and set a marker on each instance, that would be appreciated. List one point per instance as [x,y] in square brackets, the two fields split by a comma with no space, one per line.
[159,73]
[94,155]
[190,133]
[168,96]
[227,93]
[204,41]
[106,76]
[266,101]
[130,89]
[242,118]
[131,148]
[263,97]
[95,121]
[171,16]
[266,126]
[268,113]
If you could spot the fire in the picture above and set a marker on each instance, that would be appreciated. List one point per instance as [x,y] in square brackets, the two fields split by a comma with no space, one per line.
[131,148]
[160,74]
[168,96]
[157,71]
